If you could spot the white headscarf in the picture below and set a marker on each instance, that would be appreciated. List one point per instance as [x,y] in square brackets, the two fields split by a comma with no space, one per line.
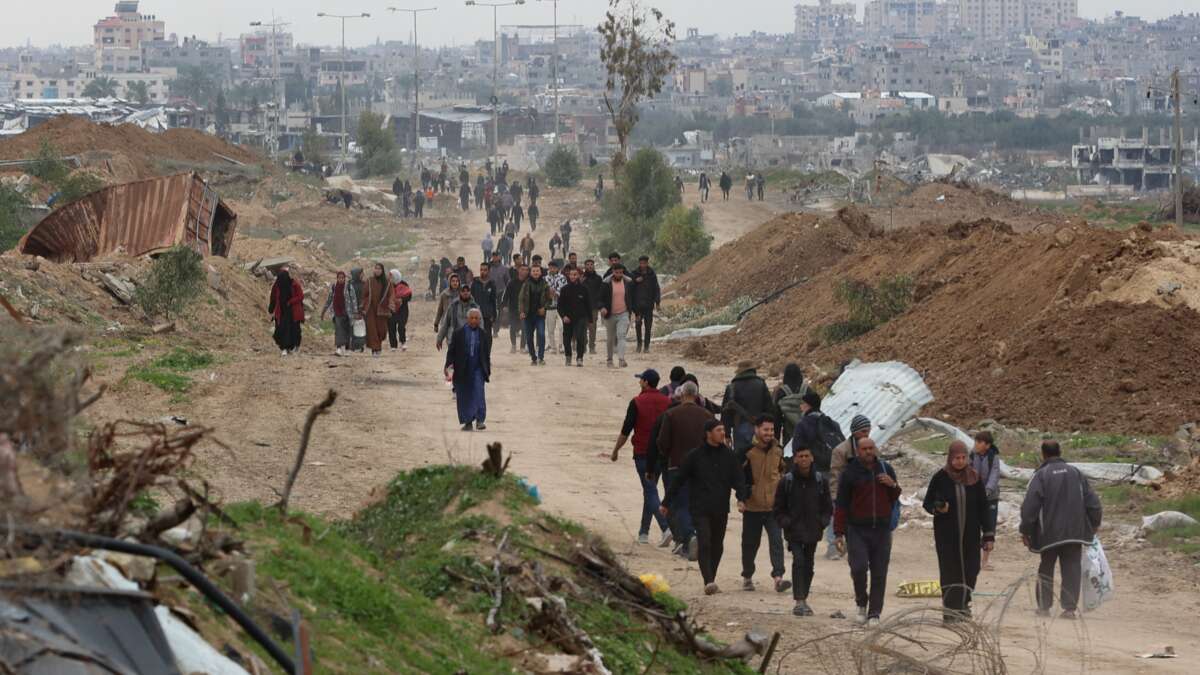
[396,278]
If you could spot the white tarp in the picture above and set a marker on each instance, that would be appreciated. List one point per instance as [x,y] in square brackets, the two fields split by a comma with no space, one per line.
[684,333]
[192,653]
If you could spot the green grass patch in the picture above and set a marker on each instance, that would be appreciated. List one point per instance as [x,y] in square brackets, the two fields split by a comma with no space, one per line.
[172,383]
[1184,539]
[169,371]
[182,360]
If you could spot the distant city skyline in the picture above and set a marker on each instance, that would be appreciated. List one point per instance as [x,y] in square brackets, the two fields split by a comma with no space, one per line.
[453,23]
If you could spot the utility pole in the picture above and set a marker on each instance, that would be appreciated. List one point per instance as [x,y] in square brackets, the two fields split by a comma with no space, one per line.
[342,77]
[278,93]
[554,69]
[416,118]
[1177,92]
[495,72]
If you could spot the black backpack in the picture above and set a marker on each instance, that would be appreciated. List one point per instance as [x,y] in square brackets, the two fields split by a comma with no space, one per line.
[829,436]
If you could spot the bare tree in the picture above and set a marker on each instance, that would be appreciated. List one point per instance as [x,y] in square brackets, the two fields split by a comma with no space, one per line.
[637,55]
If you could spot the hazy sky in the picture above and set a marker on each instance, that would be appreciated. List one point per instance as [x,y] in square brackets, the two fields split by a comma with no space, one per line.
[70,21]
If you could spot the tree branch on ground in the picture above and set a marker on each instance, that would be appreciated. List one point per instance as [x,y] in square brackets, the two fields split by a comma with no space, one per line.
[313,413]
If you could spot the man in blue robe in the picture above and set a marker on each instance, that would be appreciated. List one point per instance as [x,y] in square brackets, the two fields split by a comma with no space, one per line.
[470,356]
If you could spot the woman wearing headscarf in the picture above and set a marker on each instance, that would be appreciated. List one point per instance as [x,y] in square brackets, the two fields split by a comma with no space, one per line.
[378,298]
[287,309]
[398,321]
[958,501]
[358,285]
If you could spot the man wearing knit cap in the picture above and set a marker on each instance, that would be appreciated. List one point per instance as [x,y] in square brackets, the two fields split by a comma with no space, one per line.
[860,429]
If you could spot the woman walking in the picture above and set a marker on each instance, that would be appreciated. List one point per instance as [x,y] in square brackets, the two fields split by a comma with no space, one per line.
[377,301]
[958,502]
[287,309]
[398,321]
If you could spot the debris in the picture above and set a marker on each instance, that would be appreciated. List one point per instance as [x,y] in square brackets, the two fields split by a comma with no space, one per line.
[1097,576]
[1164,652]
[91,571]
[1169,288]
[686,333]
[122,289]
[919,589]
[655,583]
[165,327]
[1167,519]
[313,413]
[192,653]
[22,565]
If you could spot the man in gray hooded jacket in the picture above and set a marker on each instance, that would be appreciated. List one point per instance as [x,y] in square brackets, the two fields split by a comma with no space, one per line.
[1059,517]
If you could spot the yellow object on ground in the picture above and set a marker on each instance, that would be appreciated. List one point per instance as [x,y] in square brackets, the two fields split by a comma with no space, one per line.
[919,589]
[655,583]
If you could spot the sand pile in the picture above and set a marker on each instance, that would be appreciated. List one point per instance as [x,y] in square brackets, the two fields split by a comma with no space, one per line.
[1050,329]
[133,152]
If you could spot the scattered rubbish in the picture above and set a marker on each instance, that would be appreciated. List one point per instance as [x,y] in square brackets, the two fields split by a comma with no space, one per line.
[685,333]
[1166,519]
[122,289]
[93,572]
[192,653]
[1163,652]
[167,327]
[316,464]
[531,489]
[655,583]
[919,589]
[1169,288]
[1097,576]
[837,614]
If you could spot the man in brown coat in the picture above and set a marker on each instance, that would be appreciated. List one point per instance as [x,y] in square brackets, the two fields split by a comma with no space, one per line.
[680,432]
[765,467]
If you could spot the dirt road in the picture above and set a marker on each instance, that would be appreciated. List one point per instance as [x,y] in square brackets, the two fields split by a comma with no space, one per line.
[396,413]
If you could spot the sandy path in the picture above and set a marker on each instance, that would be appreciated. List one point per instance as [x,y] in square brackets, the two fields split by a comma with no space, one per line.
[395,413]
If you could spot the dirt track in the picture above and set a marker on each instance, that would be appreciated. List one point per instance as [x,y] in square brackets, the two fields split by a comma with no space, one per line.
[396,413]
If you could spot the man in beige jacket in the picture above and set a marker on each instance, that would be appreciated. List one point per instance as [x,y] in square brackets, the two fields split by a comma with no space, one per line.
[765,467]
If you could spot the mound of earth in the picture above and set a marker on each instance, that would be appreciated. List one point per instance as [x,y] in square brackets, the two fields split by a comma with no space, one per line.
[944,203]
[126,151]
[1054,330]
[777,253]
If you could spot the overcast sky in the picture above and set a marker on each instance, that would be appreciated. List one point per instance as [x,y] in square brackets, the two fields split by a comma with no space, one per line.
[70,22]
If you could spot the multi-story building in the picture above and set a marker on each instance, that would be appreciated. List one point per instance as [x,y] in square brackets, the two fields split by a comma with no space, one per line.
[257,48]
[994,19]
[71,84]
[910,18]
[1046,15]
[118,39]
[826,21]
[171,53]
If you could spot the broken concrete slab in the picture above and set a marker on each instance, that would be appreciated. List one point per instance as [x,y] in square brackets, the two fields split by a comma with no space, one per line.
[122,289]
[685,333]
[1165,519]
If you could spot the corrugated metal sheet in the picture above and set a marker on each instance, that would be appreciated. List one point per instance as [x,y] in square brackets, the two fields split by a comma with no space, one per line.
[138,217]
[888,393]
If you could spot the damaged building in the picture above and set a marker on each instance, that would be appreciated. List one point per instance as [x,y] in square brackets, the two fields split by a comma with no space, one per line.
[1136,162]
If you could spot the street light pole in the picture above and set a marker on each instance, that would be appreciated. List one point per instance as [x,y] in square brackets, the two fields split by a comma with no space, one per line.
[416,121]
[495,72]
[342,76]
[1177,92]
[554,69]
[278,93]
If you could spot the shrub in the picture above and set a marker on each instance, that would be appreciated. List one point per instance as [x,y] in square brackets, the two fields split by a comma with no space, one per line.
[75,186]
[175,279]
[47,166]
[870,306]
[377,145]
[632,212]
[562,167]
[12,210]
[681,239]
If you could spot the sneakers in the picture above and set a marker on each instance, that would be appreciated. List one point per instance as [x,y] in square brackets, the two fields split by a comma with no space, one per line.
[667,538]
[283,352]
[860,616]
[693,549]
[541,362]
[747,584]
[568,360]
[533,362]
[646,349]
[403,348]
[873,622]
[831,553]
[480,426]
[610,364]
[579,362]
[339,352]
[782,585]
[802,609]
[711,589]
[643,538]
[466,427]
[1069,615]
[623,364]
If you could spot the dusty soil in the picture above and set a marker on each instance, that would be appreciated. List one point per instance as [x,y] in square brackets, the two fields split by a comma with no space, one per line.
[396,413]
[946,203]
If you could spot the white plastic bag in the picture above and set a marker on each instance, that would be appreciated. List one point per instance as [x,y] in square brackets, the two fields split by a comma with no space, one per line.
[1097,576]
[360,328]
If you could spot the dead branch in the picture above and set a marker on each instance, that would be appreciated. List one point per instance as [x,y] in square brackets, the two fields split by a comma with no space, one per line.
[314,412]
[493,622]
[762,667]
[12,311]
[168,518]
[493,464]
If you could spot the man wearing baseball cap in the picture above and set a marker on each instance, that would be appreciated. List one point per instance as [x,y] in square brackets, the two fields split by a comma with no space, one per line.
[644,409]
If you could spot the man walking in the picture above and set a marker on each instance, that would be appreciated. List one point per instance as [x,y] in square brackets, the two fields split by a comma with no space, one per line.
[803,508]
[681,430]
[746,398]
[847,450]
[644,409]
[488,245]
[703,187]
[435,278]
[512,302]
[711,472]
[647,296]
[526,249]
[862,520]
[483,291]
[463,272]
[456,315]
[595,288]
[556,280]
[764,467]
[616,297]
[566,236]
[575,308]
[470,355]
[1059,517]
[534,299]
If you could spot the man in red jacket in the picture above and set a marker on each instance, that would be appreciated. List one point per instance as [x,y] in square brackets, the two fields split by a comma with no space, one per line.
[643,411]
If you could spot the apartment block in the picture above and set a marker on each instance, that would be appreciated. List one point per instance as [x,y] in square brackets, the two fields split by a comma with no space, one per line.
[118,39]
[909,18]
[826,20]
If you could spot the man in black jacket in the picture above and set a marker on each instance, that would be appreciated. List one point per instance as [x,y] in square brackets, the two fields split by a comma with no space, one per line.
[710,471]
[594,284]
[862,521]
[575,309]
[803,508]
[647,296]
[470,355]
[483,291]
[616,299]
[511,302]
[746,398]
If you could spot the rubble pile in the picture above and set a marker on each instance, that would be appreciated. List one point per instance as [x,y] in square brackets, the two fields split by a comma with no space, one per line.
[1001,324]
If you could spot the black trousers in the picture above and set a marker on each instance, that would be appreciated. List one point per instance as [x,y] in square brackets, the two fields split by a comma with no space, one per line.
[803,556]
[397,328]
[575,335]
[710,535]
[869,549]
[646,318]
[753,524]
[1069,558]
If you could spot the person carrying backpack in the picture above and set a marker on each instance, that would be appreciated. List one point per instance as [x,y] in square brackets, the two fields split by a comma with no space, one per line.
[787,401]
[817,432]
[986,463]
[847,450]
[863,518]
[746,398]
[803,508]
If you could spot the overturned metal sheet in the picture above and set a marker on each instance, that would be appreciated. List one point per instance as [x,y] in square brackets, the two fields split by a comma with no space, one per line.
[888,393]
[136,218]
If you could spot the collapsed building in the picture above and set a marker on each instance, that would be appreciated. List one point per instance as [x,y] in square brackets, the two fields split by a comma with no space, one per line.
[1136,162]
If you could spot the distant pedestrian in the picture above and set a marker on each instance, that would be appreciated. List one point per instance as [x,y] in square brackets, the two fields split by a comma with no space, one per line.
[710,472]
[616,297]
[359,285]
[575,308]
[533,302]
[1059,517]
[512,295]
[464,196]
[566,230]
[595,288]
[704,185]
[679,184]
[470,356]
[533,212]
[787,399]
[817,431]
[986,462]
[518,214]
[958,503]
[556,280]
[344,305]
[555,244]
[764,467]
[526,249]
[376,306]
[398,321]
[726,184]
[419,204]
[487,244]
[647,296]
[435,278]
[760,184]
[445,298]
[803,508]
[746,398]
[644,409]
[463,271]
[286,307]
[866,495]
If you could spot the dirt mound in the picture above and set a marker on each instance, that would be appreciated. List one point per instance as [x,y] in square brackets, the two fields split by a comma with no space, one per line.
[940,204]
[132,151]
[779,252]
[1022,328]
